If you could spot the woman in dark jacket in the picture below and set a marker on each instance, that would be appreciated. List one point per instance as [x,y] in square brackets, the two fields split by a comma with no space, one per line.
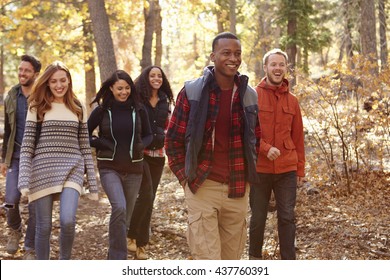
[157,97]
[124,131]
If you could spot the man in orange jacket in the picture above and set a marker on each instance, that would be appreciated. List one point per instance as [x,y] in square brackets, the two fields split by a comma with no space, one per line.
[281,158]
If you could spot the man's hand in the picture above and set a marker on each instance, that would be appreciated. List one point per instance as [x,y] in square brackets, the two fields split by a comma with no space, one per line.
[3,169]
[273,153]
[300,181]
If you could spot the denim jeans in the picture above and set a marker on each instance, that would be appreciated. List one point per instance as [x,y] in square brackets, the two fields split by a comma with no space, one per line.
[142,214]
[12,198]
[122,191]
[284,187]
[69,200]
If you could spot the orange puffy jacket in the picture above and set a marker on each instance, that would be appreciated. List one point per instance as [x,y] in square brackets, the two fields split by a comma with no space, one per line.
[281,127]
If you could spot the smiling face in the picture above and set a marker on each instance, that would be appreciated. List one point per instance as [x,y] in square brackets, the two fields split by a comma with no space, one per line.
[59,84]
[275,69]
[121,90]
[155,78]
[226,57]
[26,73]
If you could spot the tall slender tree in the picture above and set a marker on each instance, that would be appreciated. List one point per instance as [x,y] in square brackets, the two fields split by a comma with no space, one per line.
[382,33]
[89,63]
[158,30]
[368,32]
[150,18]
[347,43]
[2,80]
[232,16]
[103,39]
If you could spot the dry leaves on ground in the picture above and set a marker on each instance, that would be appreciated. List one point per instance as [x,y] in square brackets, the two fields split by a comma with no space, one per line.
[331,225]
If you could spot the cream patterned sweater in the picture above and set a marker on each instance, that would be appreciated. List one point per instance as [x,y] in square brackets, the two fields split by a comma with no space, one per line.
[60,156]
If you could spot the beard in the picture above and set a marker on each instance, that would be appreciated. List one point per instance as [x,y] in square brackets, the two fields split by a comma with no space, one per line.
[27,82]
[275,80]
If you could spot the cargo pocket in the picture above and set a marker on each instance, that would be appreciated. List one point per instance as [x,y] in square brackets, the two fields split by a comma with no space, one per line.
[196,236]
[242,240]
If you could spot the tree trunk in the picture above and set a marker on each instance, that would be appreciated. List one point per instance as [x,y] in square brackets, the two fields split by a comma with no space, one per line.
[368,32]
[103,39]
[292,47]
[158,28]
[232,16]
[2,86]
[382,34]
[89,65]
[150,16]
[347,36]
[220,19]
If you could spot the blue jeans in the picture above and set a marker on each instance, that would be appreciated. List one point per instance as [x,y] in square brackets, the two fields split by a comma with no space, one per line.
[284,187]
[69,200]
[122,191]
[142,214]
[12,199]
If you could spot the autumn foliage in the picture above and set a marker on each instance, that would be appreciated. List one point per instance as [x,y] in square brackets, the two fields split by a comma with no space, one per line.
[347,125]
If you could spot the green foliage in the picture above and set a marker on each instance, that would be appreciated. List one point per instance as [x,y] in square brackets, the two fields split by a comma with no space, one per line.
[312,34]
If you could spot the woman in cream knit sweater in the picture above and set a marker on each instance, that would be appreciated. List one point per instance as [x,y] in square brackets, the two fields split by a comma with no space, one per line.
[55,155]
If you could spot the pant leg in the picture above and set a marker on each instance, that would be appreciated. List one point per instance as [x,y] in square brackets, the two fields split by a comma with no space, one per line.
[156,166]
[43,208]
[144,206]
[12,196]
[259,200]
[203,232]
[69,200]
[112,185]
[29,239]
[144,202]
[285,196]
[131,186]
[232,225]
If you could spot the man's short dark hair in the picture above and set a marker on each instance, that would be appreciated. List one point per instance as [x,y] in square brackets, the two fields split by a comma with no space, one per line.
[223,35]
[34,62]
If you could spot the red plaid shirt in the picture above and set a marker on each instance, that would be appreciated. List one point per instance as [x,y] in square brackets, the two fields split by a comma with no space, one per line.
[175,142]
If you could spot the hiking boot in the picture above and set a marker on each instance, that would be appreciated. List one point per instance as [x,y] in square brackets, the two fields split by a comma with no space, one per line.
[140,254]
[131,245]
[29,255]
[13,241]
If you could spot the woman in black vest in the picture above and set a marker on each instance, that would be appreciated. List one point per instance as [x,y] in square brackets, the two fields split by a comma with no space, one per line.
[157,97]
[124,132]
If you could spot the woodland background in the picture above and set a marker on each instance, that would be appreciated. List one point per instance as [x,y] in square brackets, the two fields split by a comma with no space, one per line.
[338,57]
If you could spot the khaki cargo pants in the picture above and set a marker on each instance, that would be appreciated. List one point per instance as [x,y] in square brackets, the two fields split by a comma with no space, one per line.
[216,223]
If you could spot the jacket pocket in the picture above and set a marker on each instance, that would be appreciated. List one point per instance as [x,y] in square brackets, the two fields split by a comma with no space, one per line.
[290,156]
[266,114]
[289,144]
[288,116]
[251,113]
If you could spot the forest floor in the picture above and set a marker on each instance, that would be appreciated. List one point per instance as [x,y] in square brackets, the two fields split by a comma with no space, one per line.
[331,224]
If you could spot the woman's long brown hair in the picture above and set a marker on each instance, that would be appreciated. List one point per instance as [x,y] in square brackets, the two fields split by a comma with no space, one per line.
[41,97]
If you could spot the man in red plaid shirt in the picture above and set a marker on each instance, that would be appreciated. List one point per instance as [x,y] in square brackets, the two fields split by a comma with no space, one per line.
[211,144]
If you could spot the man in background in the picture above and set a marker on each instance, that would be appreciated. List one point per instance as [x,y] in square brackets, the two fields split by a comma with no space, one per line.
[281,158]
[15,112]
